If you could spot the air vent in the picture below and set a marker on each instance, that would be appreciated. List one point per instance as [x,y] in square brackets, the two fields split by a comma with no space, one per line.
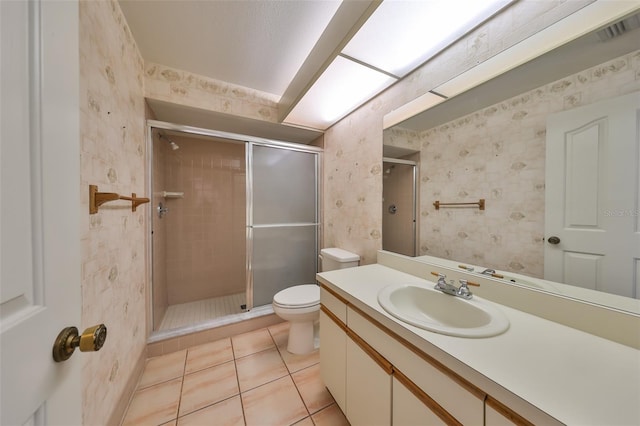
[619,28]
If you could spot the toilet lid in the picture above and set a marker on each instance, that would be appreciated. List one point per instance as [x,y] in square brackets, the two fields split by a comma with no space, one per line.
[299,296]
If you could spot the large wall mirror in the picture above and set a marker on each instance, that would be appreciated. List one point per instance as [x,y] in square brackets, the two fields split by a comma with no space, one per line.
[540,144]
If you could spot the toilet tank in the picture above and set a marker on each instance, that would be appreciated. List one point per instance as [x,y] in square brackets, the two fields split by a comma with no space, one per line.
[335,258]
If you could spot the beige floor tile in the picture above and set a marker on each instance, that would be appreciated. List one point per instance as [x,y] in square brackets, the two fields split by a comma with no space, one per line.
[172,423]
[252,342]
[260,368]
[298,362]
[208,355]
[224,413]
[207,387]
[330,416]
[314,394]
[305,422]
[276,403]
[154,405]
[280,333]
[163,368]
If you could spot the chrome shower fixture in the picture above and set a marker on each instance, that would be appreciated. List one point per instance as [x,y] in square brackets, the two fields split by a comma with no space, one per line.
[173,145]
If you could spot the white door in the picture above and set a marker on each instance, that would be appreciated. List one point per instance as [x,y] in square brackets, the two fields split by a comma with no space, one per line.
[39,211]
[592,195]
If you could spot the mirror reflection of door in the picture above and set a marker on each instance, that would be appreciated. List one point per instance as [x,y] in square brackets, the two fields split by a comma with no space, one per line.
[592,223]
[399,206]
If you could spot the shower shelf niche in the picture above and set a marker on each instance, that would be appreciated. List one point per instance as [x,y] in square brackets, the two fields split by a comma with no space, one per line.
[96,199]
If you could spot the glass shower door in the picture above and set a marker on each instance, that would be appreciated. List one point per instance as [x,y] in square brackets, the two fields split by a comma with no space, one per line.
[282,212]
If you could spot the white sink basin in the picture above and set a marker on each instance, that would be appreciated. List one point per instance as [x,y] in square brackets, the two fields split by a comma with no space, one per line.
[441,313]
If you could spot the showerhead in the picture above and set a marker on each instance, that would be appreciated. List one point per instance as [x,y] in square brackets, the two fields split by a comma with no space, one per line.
[173,145]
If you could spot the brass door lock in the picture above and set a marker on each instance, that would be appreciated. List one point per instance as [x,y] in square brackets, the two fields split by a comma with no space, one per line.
[68,340]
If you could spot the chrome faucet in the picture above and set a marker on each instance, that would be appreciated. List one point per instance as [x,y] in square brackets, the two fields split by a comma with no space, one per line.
[449,288]
[492,273]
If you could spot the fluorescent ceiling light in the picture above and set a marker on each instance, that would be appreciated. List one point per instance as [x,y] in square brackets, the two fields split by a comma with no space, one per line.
[398,37]
[412,108]
[342,87]
[403,34]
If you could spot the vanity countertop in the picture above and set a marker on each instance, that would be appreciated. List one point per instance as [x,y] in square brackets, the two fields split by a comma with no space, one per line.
[572,376]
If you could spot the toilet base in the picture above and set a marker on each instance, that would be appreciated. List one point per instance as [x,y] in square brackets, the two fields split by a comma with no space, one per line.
[301,338]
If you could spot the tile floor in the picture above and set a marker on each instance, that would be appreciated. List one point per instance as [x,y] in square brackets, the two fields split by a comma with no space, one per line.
[248,379]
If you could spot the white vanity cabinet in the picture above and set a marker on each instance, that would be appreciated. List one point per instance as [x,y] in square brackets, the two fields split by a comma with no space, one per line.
[358,378]
[333,335]
[356,368]
[498,414]
[368,385]
[520,377]
[441,391]
[378,378]
[409,410]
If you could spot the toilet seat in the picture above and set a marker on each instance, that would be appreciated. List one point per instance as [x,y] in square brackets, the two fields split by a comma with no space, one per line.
[298,297]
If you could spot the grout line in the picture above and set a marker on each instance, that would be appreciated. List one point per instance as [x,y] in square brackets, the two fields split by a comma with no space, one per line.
[184,368]
[235,365]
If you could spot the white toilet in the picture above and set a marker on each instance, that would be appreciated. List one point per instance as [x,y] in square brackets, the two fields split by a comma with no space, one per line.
[300,304]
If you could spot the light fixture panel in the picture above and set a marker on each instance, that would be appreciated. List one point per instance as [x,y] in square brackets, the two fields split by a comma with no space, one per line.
[402,34]
[342,87]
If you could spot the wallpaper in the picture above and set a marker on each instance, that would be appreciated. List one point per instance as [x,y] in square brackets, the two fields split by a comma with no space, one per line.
[112,134]
[353,146]
[498,153]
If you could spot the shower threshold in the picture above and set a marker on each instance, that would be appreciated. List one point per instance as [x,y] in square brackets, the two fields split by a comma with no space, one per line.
[205,314]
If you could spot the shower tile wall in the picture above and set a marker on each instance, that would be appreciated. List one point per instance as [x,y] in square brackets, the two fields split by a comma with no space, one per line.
[205,230]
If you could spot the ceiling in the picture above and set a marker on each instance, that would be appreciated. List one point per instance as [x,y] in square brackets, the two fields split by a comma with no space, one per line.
[272,46]
[287,48]
[256,44]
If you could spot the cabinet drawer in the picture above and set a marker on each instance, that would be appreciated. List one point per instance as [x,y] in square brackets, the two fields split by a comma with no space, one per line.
[334,303]
[462,400]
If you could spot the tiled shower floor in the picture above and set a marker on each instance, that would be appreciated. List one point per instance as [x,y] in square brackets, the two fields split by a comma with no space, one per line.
[245,379]
[185,314]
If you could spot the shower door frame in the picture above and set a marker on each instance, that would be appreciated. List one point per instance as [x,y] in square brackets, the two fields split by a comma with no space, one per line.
[248,141]
[414,191]
[251,226]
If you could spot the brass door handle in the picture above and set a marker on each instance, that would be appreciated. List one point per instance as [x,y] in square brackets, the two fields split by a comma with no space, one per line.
[553,240]
[68,340]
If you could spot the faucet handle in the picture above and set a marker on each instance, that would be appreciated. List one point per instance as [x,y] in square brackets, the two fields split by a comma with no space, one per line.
[442,282]
[463,290]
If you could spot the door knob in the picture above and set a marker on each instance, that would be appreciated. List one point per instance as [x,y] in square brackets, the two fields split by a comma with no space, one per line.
[553,240]
[68,340]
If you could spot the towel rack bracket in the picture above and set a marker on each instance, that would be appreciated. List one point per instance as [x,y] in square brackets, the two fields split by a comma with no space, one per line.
[96,199]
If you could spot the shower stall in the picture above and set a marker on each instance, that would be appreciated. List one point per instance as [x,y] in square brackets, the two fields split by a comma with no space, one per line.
[399,206]
[235,219]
